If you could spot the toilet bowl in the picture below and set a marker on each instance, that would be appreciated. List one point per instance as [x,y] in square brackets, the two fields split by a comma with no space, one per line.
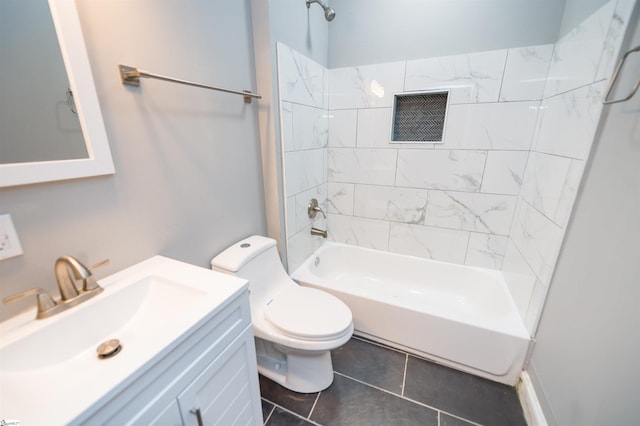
[295,327]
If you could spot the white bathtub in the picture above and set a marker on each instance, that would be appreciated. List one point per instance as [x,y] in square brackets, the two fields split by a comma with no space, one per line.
[456,315]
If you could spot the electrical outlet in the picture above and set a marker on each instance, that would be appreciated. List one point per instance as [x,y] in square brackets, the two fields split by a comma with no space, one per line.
[9,243]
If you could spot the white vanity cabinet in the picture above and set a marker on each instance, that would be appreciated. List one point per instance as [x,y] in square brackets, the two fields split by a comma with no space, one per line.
[208,378]
[170,416]
[223,392]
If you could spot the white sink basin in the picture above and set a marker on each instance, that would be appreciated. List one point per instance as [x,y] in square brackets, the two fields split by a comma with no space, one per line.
[144,306]
[49,369]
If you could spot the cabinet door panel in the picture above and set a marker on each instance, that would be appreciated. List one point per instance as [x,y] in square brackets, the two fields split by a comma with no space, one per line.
[226,393]
[168,416]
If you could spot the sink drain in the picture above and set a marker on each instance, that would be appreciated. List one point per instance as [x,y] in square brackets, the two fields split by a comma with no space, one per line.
[109,349]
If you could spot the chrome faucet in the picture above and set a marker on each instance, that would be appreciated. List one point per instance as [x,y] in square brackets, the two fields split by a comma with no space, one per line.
[68,269]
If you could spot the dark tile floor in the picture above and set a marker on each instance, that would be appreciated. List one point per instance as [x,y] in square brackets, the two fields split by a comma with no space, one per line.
[379,386]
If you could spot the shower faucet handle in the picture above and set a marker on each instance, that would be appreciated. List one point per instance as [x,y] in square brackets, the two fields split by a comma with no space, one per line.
[313,208]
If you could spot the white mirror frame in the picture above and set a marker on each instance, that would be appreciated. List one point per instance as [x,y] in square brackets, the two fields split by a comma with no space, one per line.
[74,53]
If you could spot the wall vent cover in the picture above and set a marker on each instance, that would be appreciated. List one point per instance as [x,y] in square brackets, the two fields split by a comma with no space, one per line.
[419,117]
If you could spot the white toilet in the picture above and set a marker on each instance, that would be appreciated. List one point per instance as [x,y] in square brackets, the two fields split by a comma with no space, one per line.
[295,327]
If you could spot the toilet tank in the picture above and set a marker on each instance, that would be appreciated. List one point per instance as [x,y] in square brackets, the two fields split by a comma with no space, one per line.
[255,259]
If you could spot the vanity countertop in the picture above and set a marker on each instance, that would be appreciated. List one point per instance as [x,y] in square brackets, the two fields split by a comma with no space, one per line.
[49,369]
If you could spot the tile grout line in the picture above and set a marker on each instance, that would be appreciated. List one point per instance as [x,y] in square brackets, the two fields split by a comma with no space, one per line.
[404,375]
[269,415]
[449,228]
[504,71]
[289,411]
[314,405]
[413,401]
[386,391]
[459,418]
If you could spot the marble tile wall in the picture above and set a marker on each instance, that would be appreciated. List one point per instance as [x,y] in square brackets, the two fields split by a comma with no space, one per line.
[497,193]
[303,87]
[581,64]
[453,201]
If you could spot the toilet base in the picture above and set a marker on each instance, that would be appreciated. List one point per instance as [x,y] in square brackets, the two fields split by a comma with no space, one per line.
[297,370]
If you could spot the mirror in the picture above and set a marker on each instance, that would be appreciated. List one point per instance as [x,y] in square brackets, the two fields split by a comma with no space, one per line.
[70,159]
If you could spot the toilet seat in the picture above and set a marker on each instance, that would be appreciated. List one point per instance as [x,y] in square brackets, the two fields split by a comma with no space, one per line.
[307,313]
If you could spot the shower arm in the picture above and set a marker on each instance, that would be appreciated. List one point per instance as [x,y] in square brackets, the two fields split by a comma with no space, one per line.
[329,13]
[323,5]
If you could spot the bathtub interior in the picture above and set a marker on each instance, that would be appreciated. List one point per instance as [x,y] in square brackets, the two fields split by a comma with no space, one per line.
[454,291]
[464,317]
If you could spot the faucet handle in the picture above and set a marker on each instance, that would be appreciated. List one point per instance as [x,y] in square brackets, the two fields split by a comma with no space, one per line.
[313,208]
[88,283]
[45,302]
[99,264]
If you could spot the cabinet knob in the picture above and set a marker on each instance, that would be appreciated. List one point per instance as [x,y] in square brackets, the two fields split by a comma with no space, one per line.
[198,415]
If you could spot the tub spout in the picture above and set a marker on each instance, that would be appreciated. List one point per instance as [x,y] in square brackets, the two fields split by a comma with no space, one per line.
[318,232]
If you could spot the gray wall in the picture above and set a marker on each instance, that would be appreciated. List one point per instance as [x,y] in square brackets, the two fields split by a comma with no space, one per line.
[585,362]
[374,31]
[289,22]
[188,176]
[304,30]
[577,11]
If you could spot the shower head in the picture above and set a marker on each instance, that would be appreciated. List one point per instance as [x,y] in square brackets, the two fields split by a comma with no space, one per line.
[329,13]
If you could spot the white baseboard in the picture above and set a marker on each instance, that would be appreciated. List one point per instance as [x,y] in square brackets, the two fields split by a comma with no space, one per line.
[529,401]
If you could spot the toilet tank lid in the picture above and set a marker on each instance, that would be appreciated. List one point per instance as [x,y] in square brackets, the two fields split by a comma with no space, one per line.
[240,253]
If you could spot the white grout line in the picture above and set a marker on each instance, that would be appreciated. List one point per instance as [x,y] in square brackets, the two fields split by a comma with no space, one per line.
[386,391]
[459,418]
[308,419]
[504,69]
[404,375]
[413,401]
[314,404]
[270,412]
[401,396]
[290,412]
